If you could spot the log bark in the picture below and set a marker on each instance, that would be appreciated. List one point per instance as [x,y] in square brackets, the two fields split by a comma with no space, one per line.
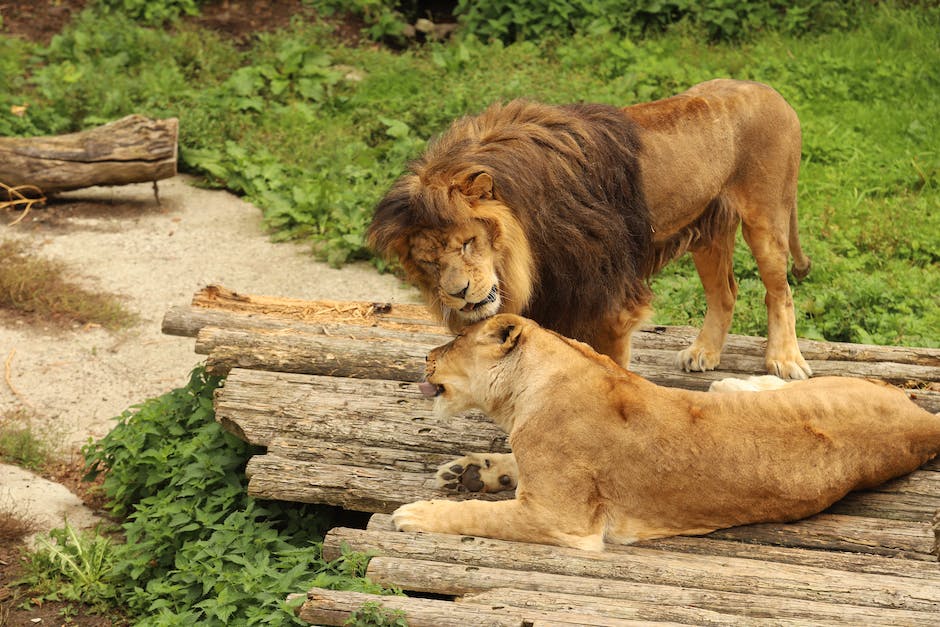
[651,567]
[761,610]
[133,149]
[416,318]
[545,591]
[292,350]
[704,545]
[333,607]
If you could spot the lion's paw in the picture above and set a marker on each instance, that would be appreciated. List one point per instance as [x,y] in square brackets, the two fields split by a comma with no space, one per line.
[796,369]
[697,359]
[479,472]
[417,516]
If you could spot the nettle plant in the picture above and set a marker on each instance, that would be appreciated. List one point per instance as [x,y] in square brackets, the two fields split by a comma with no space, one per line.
[198,549]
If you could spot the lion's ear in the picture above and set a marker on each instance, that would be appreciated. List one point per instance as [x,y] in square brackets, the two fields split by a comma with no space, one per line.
[508,335]
[478,185]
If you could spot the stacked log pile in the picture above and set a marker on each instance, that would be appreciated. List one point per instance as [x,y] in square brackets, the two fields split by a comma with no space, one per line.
[328,389]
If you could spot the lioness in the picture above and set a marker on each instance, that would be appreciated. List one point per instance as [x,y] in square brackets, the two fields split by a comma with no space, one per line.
[604,454]
[563,213]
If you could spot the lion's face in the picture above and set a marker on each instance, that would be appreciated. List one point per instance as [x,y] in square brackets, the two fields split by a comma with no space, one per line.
[465,373]
[458,267]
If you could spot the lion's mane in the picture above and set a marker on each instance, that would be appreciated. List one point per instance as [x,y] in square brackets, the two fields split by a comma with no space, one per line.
[568,176]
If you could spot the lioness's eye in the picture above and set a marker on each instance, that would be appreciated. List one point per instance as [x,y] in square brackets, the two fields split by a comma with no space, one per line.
[466,245]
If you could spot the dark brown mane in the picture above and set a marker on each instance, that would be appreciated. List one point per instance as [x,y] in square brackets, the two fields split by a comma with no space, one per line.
[570,176]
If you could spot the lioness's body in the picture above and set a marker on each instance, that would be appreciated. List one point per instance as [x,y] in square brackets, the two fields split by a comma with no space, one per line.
[563,213]
[603,453]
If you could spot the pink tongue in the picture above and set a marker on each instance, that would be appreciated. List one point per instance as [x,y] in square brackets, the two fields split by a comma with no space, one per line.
[428,389]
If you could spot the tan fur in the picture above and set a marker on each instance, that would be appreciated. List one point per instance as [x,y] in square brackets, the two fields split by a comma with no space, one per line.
[604,454]
[531,188]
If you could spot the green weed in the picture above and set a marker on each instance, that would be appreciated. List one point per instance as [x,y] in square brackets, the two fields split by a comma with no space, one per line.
[21,443]
[198,548]
[73,566]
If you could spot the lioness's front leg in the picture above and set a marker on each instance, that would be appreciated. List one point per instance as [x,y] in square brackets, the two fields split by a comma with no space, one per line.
[503,520]
[479,472]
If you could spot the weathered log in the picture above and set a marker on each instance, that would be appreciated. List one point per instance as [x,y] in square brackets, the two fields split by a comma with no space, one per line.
[496,586]
[752,611]
[133,149]
[290,350]
[650,566]
[371,445]
[416,318]
[704,545]
[333,607]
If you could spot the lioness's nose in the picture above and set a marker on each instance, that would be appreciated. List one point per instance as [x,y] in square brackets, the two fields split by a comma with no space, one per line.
[462,292]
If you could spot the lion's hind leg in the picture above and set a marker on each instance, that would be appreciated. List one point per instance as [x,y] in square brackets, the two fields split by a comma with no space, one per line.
[479,472]
[503,520]
[714,263]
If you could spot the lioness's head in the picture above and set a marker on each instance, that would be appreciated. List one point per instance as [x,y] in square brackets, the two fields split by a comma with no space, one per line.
[472,371]
[457,242]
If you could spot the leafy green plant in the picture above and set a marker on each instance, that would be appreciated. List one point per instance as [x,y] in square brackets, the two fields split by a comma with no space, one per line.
[151,11]
[73,566]
[372,614]
[198,548]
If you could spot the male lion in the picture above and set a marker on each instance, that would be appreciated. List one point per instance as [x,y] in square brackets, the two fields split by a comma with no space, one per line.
[563,213]
[604,454]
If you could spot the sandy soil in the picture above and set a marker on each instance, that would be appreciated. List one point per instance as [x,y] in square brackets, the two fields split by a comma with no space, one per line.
[73,382]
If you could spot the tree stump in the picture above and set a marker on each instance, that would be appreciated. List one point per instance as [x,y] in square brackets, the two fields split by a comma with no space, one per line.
[133,149]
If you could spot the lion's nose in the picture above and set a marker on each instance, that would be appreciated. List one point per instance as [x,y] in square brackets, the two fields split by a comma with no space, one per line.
[462,292]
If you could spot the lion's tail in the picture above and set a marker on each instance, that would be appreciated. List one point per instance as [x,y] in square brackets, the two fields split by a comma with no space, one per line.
[801,263]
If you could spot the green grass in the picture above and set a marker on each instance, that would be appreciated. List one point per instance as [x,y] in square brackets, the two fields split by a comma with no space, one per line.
[21,443]
[314,131]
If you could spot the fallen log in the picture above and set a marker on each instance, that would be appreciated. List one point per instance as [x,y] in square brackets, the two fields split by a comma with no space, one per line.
[133,149]
[220,307]
[333,607]
[497,586]
[650,566]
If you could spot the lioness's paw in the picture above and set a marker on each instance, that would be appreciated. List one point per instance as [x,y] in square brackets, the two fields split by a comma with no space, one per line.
[417,516]
[479,472]
[796,369]
[751,384]
[697,359]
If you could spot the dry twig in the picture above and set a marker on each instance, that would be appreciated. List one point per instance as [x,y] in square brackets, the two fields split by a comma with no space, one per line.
[17,196]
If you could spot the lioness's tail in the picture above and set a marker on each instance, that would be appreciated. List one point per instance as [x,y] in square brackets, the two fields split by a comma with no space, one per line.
[801,263]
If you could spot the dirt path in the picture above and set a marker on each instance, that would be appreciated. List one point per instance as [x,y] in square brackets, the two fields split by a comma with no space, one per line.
[119,240]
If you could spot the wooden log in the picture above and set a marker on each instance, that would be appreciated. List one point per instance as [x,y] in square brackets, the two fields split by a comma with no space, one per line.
[757,611]
[133,149]
[399,316]
[188,321]
[704,545]
[649,566]
[379,490]
[333,607]
[355,442]
[480,584]
[289,350]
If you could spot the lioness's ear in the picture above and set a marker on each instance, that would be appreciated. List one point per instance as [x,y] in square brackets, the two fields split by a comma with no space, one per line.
[509,336]
[478,185]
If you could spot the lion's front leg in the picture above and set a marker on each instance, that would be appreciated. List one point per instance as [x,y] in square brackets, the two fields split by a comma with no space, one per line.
[502,520]
[479,472]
